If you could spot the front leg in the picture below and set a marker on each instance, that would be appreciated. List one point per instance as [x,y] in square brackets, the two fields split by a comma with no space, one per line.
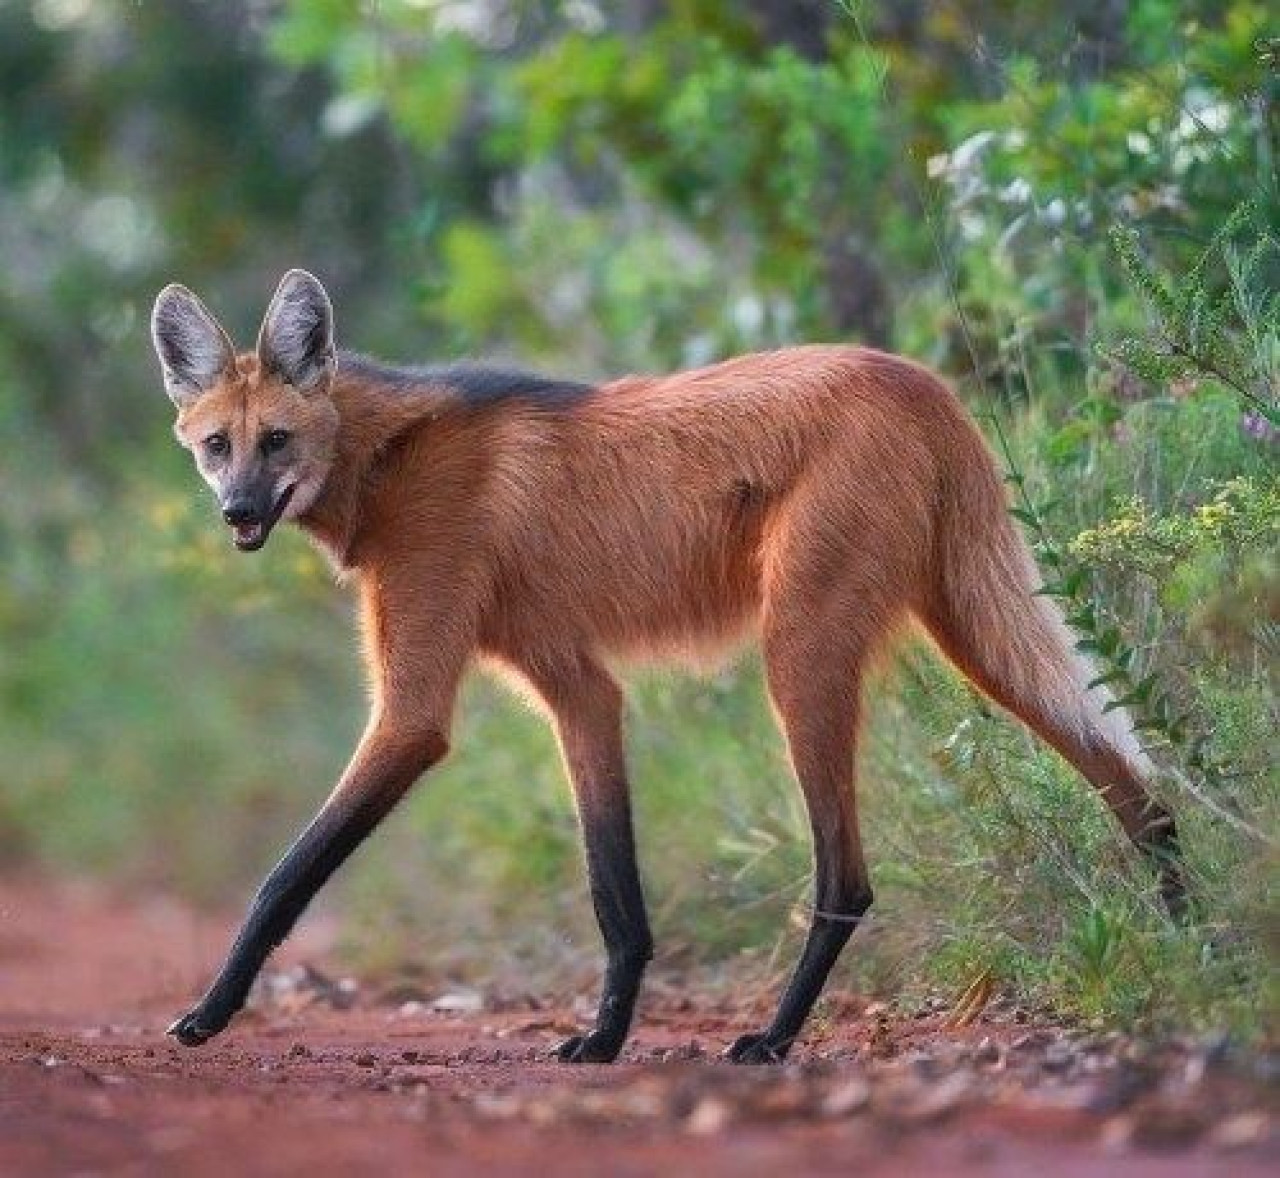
[587,706]
[389,760]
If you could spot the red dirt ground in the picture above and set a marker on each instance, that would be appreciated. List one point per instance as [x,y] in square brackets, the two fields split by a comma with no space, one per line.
[89,1084]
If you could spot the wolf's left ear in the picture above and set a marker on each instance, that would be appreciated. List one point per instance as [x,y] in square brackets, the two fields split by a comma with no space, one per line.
[296,340]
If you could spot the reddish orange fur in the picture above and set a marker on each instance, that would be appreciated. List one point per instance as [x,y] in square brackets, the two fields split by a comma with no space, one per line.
[810,498]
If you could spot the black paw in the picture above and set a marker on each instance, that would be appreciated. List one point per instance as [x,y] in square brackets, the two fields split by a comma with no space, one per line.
[589,1048]
[758,1049]
[196,1027]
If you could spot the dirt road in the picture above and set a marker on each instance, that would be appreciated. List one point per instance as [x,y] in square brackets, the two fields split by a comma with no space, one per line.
[321,1079]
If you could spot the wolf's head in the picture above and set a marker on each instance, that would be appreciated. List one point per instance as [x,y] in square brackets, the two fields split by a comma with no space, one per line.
[262,426]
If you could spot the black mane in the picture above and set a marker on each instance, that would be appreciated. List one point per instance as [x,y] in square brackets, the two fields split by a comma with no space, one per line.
[475,383]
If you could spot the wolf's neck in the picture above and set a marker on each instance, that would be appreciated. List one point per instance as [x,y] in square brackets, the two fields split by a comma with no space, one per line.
[376,406]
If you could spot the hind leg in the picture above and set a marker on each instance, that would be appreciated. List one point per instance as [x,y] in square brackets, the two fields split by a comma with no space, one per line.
[815,689]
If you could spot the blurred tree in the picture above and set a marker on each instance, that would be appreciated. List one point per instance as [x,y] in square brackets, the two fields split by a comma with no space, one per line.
[605,185]
[143,143]
[671,182]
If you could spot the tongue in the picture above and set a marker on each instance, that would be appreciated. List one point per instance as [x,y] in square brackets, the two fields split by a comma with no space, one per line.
[247,533]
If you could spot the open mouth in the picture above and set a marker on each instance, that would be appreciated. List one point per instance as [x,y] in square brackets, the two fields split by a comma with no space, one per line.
[249,537]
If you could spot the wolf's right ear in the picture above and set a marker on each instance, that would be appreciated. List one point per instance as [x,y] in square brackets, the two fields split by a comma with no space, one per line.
[194,350]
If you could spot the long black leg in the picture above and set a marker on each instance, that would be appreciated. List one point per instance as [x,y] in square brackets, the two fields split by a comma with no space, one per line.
[384,767]
[619,905]
[587,706]
[832,925]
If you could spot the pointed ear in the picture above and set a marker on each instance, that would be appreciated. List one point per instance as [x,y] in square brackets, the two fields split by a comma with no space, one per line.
[296,340]
[194,351]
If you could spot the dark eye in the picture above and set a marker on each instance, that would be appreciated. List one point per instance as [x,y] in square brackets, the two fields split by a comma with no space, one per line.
[276,439]
[217,444]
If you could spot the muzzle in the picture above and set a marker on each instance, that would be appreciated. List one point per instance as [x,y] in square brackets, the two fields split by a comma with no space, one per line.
[251,518]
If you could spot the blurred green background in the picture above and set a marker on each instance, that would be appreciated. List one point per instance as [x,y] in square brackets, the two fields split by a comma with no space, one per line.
[1066,208]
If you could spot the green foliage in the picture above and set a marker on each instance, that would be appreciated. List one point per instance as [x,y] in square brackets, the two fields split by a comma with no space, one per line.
[1237,518]
[124,735]
[1166,718]
[1232,336]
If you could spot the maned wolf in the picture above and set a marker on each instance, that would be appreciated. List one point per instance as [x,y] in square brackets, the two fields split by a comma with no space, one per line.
[811,499]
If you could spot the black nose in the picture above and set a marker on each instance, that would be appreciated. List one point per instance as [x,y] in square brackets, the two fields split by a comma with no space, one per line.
[239,512]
